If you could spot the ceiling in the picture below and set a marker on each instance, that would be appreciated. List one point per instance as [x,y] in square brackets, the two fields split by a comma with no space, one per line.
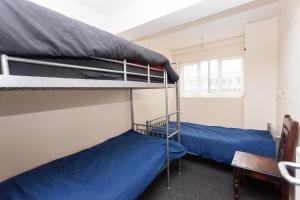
[106,8]
[182,16]
[214,28]
[134,19]
[123,15]
[176,24]
[173,24]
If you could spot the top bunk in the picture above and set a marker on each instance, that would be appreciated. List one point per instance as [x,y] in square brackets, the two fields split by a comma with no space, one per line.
[17,73]
[42,49]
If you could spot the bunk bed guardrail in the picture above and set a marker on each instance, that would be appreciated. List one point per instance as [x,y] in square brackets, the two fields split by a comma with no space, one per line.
[154,130]
[10,81]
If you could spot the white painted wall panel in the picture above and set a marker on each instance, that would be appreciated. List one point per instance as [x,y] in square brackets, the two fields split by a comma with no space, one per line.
[261,42]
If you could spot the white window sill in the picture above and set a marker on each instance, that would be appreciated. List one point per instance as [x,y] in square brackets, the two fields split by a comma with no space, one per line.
[211,97]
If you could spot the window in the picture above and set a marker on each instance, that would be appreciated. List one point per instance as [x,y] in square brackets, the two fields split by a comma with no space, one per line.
[215,77]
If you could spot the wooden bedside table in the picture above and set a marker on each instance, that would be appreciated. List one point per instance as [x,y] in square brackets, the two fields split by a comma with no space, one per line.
[258,167]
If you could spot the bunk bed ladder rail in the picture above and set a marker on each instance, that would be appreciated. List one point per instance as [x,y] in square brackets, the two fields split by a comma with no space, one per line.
[155,127]
[167,128]
[178,113]
[159,127]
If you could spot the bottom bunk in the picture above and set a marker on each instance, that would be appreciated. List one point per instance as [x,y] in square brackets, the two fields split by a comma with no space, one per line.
[115,169]
[220,143]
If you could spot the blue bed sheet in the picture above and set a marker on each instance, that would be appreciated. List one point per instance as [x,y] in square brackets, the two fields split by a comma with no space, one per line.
[220,143]
[119,168]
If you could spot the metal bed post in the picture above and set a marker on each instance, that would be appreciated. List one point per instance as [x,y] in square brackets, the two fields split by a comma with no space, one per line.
[131,96]
[125,70]
[167,128]
[178,113]
[131,109]
[4,63]
[148,73]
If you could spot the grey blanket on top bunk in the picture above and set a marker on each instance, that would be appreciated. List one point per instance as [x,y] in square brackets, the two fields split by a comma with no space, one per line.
[30,30]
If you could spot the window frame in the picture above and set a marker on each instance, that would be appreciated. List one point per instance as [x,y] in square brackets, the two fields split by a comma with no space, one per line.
[220,59]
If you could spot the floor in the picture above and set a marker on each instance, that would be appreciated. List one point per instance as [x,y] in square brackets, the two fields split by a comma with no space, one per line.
[204,179]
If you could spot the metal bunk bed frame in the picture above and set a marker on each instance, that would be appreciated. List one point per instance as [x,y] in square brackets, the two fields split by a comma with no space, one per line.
[8,81]
[15,82]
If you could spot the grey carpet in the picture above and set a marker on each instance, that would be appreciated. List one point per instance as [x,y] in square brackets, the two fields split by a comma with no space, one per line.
[205,179]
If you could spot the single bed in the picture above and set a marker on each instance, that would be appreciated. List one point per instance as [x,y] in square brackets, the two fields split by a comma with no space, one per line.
[220,143]
[119,168]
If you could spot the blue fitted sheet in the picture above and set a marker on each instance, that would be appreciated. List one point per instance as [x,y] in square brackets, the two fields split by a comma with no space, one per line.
[119,168]
[220,143]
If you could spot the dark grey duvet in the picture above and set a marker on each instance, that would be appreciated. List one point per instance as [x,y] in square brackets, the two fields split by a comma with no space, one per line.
[30,30]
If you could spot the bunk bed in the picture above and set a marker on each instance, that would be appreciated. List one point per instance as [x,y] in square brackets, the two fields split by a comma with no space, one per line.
[219,143]
[44,50]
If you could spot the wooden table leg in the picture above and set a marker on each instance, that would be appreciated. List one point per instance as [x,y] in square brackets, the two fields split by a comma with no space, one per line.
[285,191]
[236,181]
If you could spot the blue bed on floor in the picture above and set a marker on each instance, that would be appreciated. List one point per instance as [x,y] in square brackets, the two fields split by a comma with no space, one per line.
[119,168]
[220,143]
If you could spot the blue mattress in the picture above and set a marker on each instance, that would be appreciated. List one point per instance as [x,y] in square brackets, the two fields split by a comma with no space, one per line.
[120,168]
[220,143]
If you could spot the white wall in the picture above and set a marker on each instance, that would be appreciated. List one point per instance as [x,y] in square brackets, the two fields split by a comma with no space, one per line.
[226,112]
[289,66]
[212,111]
[258,107]
[40,126]
[223,48]
[150,104]
[261,42]
[289,62]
